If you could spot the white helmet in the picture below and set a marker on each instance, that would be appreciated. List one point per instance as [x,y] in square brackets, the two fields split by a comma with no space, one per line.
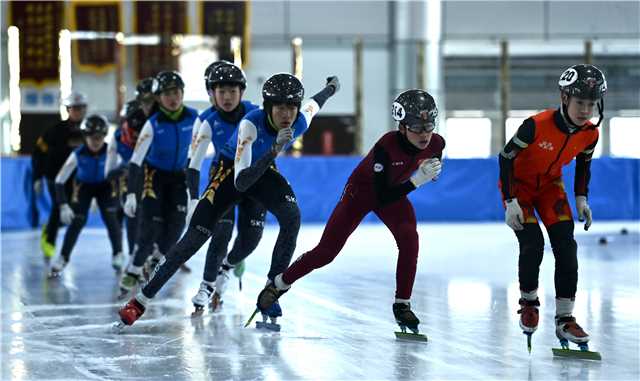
[76,98]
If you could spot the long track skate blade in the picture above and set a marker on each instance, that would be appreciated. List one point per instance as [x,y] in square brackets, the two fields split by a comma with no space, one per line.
[268,326]
[411,336]
[576,354]
[528,342]
[253,315]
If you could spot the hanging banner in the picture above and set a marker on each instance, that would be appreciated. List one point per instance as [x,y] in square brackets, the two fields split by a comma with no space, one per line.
[39,23]
[97,55]
[164,18]
[226,19]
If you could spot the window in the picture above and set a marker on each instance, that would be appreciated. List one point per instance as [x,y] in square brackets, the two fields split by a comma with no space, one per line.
[625,136]
[196,54]
[468,138]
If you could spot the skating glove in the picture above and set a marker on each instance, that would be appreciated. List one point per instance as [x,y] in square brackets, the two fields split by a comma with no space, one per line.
[333,82]
[285,135]
[66,214]
[427,171]
[513,215]
[130,205]
[584,211]
[37,187]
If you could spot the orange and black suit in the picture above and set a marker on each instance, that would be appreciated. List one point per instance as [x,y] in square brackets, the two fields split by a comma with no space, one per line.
[531,171]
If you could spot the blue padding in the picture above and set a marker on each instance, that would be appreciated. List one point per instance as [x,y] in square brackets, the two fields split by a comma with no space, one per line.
[467,190]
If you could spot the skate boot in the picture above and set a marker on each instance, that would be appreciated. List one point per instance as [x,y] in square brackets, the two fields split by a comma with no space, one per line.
[529,317]
[201,298]
[128,282]
[117,261]
[568,330]
[131,311]
[268,296]
[272,314]
[56,268]
[48,249]
[407,319]
[221,285]
[238,271]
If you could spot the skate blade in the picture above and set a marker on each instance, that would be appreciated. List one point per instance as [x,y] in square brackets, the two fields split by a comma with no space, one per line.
[268,326]
[411,336]
[197,313]
[528,334]
[118,327]
[577,354]
[253,315]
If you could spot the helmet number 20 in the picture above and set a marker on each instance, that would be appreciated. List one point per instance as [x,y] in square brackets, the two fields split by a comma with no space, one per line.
[568,77]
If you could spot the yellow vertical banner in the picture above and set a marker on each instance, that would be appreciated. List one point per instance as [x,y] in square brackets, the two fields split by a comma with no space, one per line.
[95,55]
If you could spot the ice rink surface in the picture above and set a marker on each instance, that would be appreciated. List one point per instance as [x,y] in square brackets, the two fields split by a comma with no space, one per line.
[337,322]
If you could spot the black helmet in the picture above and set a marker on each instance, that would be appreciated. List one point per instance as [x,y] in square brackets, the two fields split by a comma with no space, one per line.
[128,107]
[210,68]
[283,88]
[166,80]
[94,125]
[415,109]
[583,81]
[143,87]
[226,73]
[134,115]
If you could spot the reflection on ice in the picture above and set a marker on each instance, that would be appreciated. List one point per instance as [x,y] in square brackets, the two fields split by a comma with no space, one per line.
[337,321]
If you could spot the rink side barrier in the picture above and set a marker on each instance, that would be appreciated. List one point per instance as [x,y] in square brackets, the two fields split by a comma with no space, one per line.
[467,190]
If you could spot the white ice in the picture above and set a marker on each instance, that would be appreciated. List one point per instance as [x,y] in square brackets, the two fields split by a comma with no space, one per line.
[337,322]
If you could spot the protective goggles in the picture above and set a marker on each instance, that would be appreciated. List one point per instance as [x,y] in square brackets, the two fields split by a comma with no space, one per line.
[419,128]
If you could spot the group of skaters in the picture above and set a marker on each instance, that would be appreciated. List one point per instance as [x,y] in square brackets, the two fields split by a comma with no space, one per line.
[166,142]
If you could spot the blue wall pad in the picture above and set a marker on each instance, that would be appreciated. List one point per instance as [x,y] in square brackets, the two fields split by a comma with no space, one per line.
[466,191]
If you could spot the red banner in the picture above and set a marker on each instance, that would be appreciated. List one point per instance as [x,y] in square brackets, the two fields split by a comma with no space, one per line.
[97,55]
[165,18]
[39,23]
[226,19]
